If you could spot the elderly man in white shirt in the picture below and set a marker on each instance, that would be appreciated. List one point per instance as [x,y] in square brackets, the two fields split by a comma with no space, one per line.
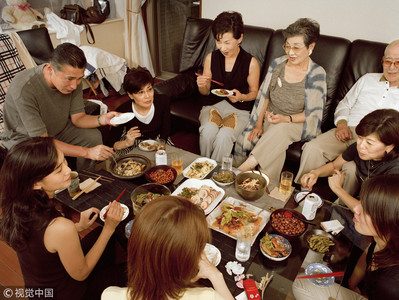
[371,92]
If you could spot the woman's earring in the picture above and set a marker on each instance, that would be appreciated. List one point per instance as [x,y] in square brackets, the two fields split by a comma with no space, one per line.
[310,52]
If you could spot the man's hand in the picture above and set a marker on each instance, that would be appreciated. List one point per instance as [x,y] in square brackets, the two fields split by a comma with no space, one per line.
[105,119]
[343,133]
[99,152]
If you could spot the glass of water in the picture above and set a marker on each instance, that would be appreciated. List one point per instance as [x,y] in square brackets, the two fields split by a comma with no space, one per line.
[227,162]
[243,246]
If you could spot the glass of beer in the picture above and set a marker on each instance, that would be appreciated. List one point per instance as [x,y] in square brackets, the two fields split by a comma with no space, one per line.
[286,182]
[177,162]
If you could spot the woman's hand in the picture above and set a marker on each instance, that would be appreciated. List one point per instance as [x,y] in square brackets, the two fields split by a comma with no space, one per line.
[202,81]
[336,181]
[275,119]
[85,221]
[132,134]
[236,97]
[255,133]
[206,269]
[114,215]
[308,180]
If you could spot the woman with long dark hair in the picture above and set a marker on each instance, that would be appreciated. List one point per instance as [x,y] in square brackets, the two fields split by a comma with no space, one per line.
[166,255]
[376,274]
[47,244]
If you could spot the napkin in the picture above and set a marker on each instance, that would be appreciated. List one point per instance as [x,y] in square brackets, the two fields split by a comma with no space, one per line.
[86,183]
[275,193]
[333,226]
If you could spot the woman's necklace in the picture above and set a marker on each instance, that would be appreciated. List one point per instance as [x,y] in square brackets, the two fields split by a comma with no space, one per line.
[370,170]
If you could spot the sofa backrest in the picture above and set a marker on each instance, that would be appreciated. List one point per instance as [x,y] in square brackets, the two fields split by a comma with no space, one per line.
[38,43]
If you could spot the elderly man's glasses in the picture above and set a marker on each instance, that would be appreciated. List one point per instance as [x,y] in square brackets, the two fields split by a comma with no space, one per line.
[295,48]
[389,62]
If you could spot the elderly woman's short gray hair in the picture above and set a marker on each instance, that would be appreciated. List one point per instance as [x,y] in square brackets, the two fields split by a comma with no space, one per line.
[308,28]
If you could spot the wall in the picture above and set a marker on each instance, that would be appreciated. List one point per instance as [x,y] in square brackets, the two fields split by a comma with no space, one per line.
[351,19]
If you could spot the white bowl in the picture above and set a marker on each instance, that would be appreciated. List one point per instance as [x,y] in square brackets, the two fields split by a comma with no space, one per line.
[281,240]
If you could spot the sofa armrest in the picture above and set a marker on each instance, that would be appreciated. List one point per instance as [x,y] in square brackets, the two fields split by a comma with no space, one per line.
[181,86]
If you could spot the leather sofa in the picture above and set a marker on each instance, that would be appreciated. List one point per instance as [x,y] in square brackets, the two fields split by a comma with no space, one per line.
[344,61]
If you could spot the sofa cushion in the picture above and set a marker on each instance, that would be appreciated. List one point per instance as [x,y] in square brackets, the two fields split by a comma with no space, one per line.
[38,43]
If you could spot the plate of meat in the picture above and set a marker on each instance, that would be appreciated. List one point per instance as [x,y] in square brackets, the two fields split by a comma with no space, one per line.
[204,193]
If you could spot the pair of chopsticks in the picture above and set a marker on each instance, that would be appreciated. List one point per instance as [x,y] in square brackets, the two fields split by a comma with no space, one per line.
[217,82]
[117,199]
[86,188]
[334,274]
[104,178]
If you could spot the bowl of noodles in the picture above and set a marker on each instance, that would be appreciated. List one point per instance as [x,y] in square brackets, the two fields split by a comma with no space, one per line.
[130,166]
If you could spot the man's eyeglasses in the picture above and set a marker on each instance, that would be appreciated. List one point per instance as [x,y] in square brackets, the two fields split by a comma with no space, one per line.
[389,62]
[287,48]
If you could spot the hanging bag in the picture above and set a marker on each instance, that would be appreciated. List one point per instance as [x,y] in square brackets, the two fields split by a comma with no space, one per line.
[78,15]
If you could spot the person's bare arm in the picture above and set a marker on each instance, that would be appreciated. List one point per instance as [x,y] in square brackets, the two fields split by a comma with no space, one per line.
[82,120]
[203,82]
[335,182]
[358,274]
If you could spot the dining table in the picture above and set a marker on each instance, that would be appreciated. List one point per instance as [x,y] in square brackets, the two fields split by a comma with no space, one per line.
[257,266]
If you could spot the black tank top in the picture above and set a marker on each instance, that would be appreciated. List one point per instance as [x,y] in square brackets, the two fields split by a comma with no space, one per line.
[44,270]
[236,79]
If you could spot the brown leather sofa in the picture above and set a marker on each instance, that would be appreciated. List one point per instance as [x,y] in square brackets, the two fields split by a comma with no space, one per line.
[344,61]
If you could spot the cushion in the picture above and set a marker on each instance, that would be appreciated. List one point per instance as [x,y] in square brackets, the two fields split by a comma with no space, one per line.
[10,65]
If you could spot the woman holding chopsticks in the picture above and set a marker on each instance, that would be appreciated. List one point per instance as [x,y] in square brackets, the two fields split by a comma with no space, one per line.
[47,244]
[376,274]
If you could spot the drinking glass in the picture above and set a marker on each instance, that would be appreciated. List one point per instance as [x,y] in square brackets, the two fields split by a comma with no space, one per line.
[177,162]
[243,246]
[161,144]
[74,188]
[227,162]
[286,182]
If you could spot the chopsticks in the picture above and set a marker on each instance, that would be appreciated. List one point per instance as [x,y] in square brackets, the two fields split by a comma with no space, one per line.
[92,176]
[117,199]
[334,274]
[95,174]
[217,82]
[86,188]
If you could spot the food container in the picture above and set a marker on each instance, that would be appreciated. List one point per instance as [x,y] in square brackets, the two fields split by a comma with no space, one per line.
[250,195]
[125,158]
[282,242]
[156,174]
[319,232]
[286,225]
[222,176]
[149,189]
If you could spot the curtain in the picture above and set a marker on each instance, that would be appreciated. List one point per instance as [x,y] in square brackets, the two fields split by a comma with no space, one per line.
[136,46]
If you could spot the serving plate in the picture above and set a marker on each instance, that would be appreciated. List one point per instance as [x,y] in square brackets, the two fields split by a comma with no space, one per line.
[219,92]
[145,148]
[200,159]
[264,215]
[125,212]
[197,183]
[122,118]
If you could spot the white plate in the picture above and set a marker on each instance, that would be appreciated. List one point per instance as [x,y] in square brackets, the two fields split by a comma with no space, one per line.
[197,183]
[265,215]
[151,142]
[125,213]
[300,195]
[122,118]
[201,159]
[211,252]
[218,92]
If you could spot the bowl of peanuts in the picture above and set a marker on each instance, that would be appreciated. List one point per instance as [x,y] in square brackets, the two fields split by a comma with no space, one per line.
[161,174]
[288,226]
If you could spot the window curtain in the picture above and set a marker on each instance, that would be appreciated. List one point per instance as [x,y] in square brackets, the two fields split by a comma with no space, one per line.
[136,46]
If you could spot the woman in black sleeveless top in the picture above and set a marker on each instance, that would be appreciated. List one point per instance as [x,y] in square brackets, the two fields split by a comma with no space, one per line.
[224,118]
[47,244]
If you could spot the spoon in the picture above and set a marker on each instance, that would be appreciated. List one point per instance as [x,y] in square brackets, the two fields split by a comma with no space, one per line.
[260,173]
[118,168]
[253,219]
[290,215]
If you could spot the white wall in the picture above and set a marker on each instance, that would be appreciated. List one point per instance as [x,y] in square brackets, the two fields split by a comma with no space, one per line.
[376,20]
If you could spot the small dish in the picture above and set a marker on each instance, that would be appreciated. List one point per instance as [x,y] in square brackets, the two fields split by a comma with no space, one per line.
[319,248]
[158,174]
[213,253]
[223,172]
[300,195]
[148,145]
[125,213]
[317,268]
[282,241]
[222,92]
[122,118]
